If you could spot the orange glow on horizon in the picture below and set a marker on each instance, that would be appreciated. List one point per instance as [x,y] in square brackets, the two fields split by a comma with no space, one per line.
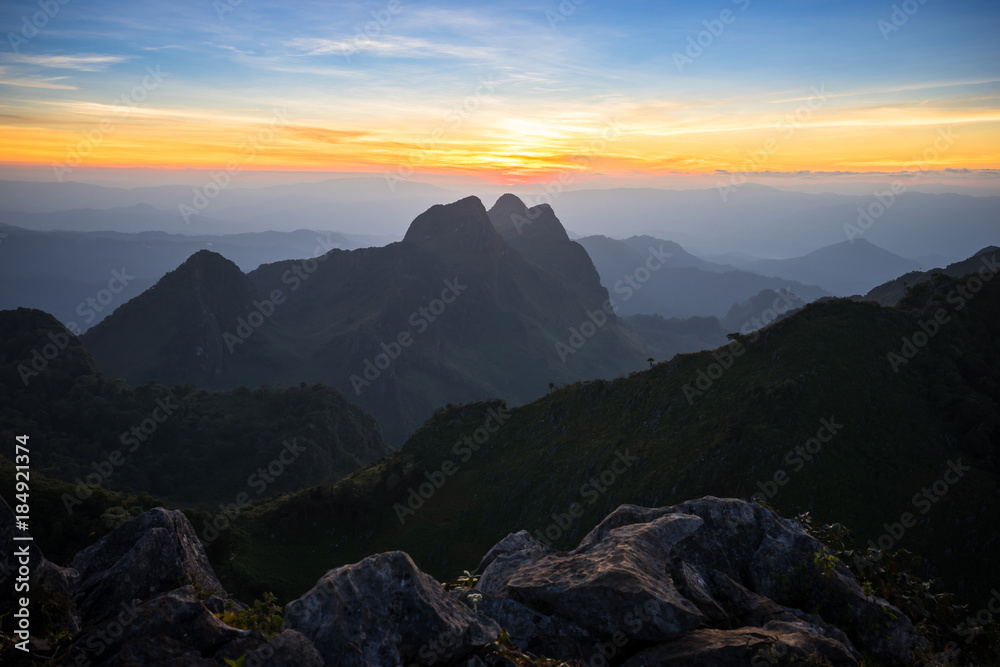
[511,151]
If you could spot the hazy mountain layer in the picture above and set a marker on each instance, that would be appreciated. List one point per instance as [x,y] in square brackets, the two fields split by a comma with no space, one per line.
[645,275]
[846,268]
[68,273]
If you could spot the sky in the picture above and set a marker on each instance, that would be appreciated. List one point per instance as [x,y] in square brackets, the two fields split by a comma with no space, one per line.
[506,93]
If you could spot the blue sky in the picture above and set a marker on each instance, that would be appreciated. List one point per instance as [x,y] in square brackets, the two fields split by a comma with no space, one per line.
[558,74]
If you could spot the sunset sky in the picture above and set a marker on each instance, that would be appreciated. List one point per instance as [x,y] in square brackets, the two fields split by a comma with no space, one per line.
[512,92]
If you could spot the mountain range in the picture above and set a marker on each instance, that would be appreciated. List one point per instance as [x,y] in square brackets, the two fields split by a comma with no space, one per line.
[906,458]
[646,275]
[375,322]
[891,292]
[68,273]
[845,268]
[753,219]
[337,203]
[512,395]
[452,313]
[766,222]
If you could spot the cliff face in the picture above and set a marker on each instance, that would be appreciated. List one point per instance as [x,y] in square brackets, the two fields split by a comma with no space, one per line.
[706,582]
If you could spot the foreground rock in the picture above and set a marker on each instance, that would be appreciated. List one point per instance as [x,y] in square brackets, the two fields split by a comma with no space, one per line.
[144,594]
[154,553]
[384,611]
[665,576]
[49,585]
[707,582]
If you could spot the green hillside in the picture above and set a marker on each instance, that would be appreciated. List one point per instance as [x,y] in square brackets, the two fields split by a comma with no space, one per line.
[657,437]
[184,444]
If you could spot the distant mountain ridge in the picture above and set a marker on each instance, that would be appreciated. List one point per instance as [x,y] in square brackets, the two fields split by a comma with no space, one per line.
[845,268]
[767,222]
[58,271]
[450,314]
[175,332]
[891,292]
[679,284]
[335,203]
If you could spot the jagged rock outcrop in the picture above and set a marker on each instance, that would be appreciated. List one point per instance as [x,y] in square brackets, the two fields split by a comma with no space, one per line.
[144,594]
[707,582]
[154,553]
[722,575]
[385,611]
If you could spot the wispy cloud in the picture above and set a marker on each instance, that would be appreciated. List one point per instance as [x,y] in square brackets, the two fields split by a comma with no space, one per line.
[894,89]
[226,47]
[389,46]
[7,80]
[322,134]
[81,62]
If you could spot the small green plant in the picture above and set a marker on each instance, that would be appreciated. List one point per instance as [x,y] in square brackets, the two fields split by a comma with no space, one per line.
[825,562]
[240,662]
[264,616]
[465,580]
